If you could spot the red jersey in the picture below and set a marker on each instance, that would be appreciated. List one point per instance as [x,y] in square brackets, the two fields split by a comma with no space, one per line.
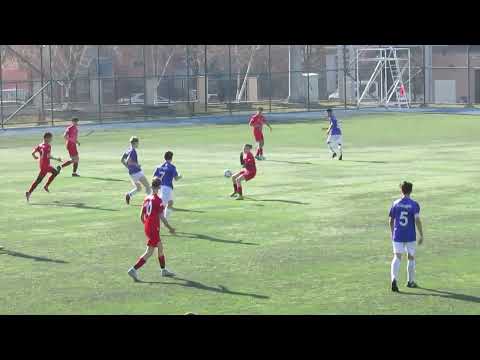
[249,162]
[72,133]
[44,151]
[257,121]
[152,208]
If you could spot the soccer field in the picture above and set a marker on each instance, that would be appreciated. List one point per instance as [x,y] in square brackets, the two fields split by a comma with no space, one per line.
[312,236]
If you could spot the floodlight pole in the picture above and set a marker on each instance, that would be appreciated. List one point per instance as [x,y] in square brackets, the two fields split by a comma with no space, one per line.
[358,81]
[1,87]
[51,81]
[41,81]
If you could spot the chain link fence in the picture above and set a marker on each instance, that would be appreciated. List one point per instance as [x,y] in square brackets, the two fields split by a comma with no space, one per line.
[49,84]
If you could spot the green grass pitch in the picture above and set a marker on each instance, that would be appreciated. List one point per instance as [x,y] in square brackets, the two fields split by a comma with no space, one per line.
[311,239]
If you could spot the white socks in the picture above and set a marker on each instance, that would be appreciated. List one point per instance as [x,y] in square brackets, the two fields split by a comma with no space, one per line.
[395,268]
[331,148]
[340,149]
[168,211]
[132,192]
[411,270]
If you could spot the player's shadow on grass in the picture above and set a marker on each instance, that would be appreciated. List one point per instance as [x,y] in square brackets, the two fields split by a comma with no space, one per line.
[291,162]
[198,285]
[26,256]
[77,205]
[210,238]
[446,295]
[277,200]
[188,210]
[104,179]
[367,161]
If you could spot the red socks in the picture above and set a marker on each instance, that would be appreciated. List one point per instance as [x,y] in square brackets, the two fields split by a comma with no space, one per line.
[139,263]
[235,187]
[50,179]
[259,151]
[75,167]
[161,260]
[66,163]
[239,190]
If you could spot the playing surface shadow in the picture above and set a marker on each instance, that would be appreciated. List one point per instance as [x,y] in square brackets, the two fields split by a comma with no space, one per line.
[77,205]
[32,257]
[209,238]
[291,162]
[198,285]
[277,200]
[104,179]
[444,294]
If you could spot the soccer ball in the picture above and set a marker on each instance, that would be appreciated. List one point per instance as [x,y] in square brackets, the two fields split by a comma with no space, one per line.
[227,173]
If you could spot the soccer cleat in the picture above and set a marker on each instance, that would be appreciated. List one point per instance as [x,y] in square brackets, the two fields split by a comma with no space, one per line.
[27,195]
[133,274]
[412,284]
[233,194]
[59,168]
[127,199]
[167,273]
[258,157]
[46,189]
[75,175]
[334,155]
[340,157]
[263,157]
[394,286]
[239,198]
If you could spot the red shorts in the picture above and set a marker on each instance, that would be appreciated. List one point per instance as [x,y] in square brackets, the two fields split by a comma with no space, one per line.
[258,134]
[248,175]
[72,149]
[45,170]
[153,237]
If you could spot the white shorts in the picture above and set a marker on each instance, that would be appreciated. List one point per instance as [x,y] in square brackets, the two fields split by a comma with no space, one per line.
[166,194]
[404,247]
[137,176]
[336,139]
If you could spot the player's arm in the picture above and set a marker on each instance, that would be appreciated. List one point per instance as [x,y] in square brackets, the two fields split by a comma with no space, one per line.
[267,124]
[177,176]
[418,223]
[34,152]
[242,162]
[142,215]
[165,222]
[391,223]
[329,128]
[54,158]
[123,160]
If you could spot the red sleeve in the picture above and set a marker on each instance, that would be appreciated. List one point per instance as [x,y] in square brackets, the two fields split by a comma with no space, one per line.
[252,119]
[36,149]
[160,206]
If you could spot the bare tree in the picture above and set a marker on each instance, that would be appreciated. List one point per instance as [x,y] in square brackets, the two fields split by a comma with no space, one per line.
[161,58]
[244,59]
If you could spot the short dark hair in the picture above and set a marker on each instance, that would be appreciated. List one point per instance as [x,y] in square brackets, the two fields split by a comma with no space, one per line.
[47,135]
[259,108]
[156,183]
[329,110]
[75,119]
[168,155]
[133,139]
[406,187]
[248,145]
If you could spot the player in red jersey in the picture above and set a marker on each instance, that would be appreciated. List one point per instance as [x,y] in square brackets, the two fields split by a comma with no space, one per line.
[256,122]
[44,150]
[151,214]
[247,173]
[71,142]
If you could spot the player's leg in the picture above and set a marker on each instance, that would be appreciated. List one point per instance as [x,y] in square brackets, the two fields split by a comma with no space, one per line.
[330,146]
[411,265]
[143,180]
[137,188]
[234,181]
[53,174]
[238,181]
[261,144]
[339,147]
[35,183]
[398,249]
[166,194]
[161,261]
[75,160]
[140,262]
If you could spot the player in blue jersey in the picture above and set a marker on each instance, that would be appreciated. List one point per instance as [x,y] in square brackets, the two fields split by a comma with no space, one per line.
[404,215]
[130,161]
[334,139]
[167,172]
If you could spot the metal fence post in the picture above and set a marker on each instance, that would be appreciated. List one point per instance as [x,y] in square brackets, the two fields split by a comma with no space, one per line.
[307,59]
[42,115]
[229,79]
[51,82]
[1,87]
[468,75]
[205,68]
[99,82]
[424,77]
[269,79]
[344,78]
[145,92]
[188,80]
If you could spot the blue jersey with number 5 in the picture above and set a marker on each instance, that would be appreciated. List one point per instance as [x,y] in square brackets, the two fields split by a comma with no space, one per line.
[167,172]
[403,211]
